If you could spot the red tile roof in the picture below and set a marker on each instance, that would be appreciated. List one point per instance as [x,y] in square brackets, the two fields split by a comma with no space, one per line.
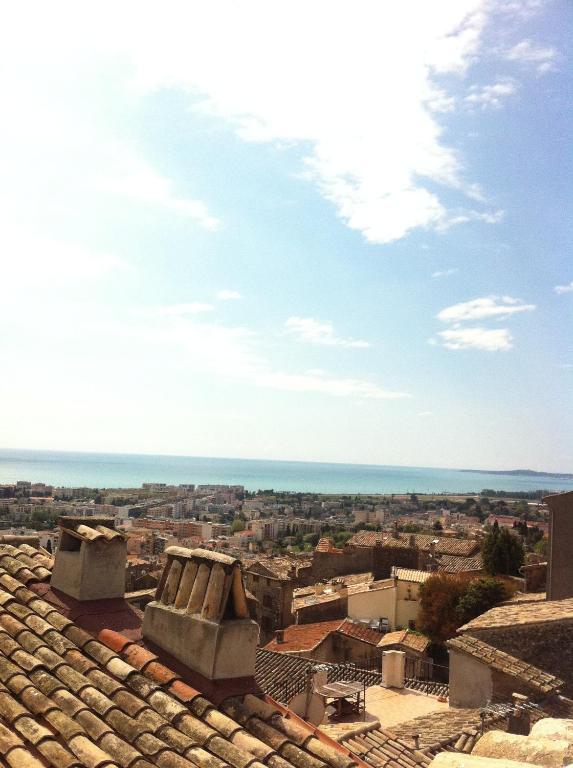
[304,637]
[360,631]
[299,638]
[406,638]
[445,545]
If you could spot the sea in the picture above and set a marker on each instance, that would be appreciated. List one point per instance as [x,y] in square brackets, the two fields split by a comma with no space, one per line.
[111,470]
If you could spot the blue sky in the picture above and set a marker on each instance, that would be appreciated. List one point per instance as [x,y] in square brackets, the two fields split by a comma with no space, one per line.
[328,231]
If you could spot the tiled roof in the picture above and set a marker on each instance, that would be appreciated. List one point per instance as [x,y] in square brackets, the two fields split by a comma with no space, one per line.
[99,533]
[26,563]
[355,582]
[452,729]
[299,638]
[360,631]
[303,637]
[68,700]
[406,638]
[527,674]
[381,748]
[276,567]
[313,599]
[275,671]
[410,574]
[512,614]
[445,545]
[457,564]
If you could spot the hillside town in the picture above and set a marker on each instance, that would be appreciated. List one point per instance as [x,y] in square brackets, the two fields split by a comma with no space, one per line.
[206,625]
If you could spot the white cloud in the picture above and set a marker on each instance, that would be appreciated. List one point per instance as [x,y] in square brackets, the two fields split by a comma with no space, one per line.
[444,272]
[490,340]
[366,120]
[491,96]
[226,295]
[231,352]
[564,288]
[425,413]
[479,309]
[327,385]
[134,179]
[311,331]
[529,52]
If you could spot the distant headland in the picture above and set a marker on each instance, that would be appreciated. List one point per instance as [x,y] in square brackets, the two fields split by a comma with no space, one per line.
[520,473]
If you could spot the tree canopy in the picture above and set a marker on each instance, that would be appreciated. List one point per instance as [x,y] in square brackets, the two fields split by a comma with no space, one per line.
[447,602]
[502,552]
[237,525]
[480,596]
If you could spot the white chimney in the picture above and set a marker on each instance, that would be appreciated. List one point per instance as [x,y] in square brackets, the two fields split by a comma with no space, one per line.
[90,561]
[200,614]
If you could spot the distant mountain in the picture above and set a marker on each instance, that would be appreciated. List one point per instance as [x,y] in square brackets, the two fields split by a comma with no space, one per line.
[520,472]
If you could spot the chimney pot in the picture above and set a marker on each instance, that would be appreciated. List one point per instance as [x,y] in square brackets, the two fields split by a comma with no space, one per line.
[200,614]
[91,559]
[279,636]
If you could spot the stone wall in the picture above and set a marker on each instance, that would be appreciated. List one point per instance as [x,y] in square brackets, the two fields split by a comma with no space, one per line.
[535,577]
[274,603]
[547,645]
[339,648]
[379,560]
[325,611]
[504,686]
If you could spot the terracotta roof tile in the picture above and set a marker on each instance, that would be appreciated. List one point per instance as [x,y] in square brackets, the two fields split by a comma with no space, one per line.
[76,702]
[531,676]
[407,638]
[303,637]
[513,614]
[445,545]
[360,631]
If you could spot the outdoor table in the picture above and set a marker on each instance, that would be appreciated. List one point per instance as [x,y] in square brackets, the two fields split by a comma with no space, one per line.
[340,691]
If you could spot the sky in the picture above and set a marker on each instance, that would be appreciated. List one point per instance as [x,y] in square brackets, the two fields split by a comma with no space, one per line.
[327,231]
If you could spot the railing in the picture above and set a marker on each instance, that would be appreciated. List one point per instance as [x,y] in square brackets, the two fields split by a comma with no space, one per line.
[283,676]
[426,676]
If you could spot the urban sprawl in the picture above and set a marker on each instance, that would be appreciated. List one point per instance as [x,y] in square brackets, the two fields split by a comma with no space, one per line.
[206,625]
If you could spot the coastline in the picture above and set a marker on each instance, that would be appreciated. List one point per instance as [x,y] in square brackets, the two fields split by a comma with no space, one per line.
[100,470]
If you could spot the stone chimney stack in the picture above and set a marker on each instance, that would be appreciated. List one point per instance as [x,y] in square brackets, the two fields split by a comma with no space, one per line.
[560,578]
[200,614]
[90,561]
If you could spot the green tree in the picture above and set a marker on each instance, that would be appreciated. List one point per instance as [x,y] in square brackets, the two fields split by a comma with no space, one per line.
[542,547]
[502,552]
[480,596]
[439,598]
[237,525]
[437,526]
